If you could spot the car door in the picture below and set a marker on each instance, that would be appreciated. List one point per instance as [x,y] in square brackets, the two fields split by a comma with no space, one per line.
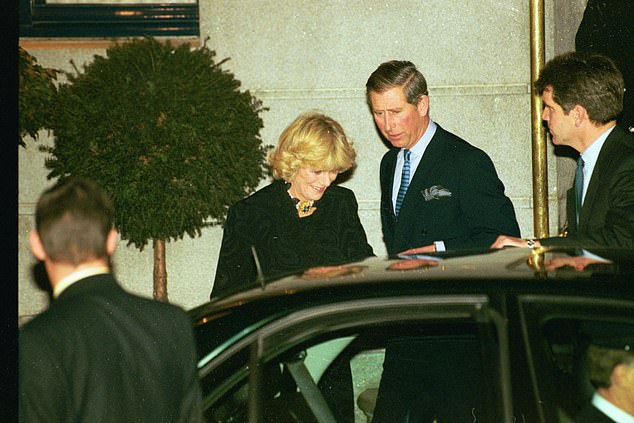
[322,363]
[558,330]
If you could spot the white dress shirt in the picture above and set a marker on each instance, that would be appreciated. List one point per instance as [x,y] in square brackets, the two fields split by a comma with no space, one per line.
[74,277]
[611,410]
[415,157]
[590,156]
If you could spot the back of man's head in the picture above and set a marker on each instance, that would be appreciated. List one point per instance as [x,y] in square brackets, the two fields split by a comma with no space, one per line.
[73,219]
[602,360]
[590,80]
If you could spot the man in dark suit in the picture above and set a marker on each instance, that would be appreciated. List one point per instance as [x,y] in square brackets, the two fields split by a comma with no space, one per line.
[610,366]
[583,96]
[98,353]
[454,199]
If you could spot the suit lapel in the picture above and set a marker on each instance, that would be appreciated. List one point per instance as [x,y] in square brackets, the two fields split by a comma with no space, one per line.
[608,152]
[571,213]
[387,177]
[432,158]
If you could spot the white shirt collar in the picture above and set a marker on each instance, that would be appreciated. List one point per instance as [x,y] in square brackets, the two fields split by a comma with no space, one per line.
[419,148]
[416,155]
[590,157]
[76,276]
[611,410]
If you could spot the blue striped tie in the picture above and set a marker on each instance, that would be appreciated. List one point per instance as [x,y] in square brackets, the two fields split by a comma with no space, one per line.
[404,182]
[579,186]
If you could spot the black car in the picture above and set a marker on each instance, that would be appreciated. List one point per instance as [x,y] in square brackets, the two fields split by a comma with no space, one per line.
[489,336]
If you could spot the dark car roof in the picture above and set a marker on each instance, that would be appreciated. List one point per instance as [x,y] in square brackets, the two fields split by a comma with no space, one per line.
[491,272]
[512,264]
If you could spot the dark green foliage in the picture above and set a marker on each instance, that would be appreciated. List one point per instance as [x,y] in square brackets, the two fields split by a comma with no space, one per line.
[165,131]
[35,94]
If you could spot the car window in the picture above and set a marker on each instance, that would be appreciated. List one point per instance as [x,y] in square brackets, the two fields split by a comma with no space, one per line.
[366,368]
[559,331]
[319,356]
[327,364]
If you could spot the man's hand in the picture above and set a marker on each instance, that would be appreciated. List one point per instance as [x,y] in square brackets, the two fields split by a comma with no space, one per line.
[331,271]
[420,250]
[411,264]
[510,241]
[578,263]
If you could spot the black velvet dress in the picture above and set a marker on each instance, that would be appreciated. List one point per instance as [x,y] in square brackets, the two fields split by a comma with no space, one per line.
[285,243]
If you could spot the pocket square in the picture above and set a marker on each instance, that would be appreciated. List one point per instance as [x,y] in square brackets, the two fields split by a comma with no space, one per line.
[435,192]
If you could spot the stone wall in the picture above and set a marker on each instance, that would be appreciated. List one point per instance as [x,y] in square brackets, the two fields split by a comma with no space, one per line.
[299,55]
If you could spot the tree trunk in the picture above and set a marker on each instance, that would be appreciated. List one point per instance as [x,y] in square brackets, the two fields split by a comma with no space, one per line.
[160,271]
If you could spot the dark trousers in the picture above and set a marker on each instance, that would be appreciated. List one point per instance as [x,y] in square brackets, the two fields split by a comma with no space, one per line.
[431,378]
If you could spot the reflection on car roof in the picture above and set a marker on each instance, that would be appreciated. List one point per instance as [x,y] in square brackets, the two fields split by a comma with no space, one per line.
[512,264]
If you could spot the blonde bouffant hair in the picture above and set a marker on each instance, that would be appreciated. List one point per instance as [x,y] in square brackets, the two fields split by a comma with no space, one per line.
[315,141]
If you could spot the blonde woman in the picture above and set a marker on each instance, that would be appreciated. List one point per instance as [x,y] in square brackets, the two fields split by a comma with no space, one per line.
[300,220]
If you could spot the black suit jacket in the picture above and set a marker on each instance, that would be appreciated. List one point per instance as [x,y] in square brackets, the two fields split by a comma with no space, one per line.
[99,354]
[607,215]
[268,221]
[472,217]
[591,414]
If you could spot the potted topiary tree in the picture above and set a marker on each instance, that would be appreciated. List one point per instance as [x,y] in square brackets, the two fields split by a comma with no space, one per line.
[167,133]
[35,93]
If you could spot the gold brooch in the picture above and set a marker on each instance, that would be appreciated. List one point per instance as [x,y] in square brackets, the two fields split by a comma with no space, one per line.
[305,208]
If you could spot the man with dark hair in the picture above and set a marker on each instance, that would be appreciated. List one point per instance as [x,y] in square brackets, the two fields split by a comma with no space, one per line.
[99,354]
[583,95]
[610,363]
[438,192]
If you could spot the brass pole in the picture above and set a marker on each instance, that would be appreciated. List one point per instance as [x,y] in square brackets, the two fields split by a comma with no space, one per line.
[539,147]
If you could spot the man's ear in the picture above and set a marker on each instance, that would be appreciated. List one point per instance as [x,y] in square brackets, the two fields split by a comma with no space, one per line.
[36,245]
[423,105]
[623,375]
[111,241]
[580,114]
